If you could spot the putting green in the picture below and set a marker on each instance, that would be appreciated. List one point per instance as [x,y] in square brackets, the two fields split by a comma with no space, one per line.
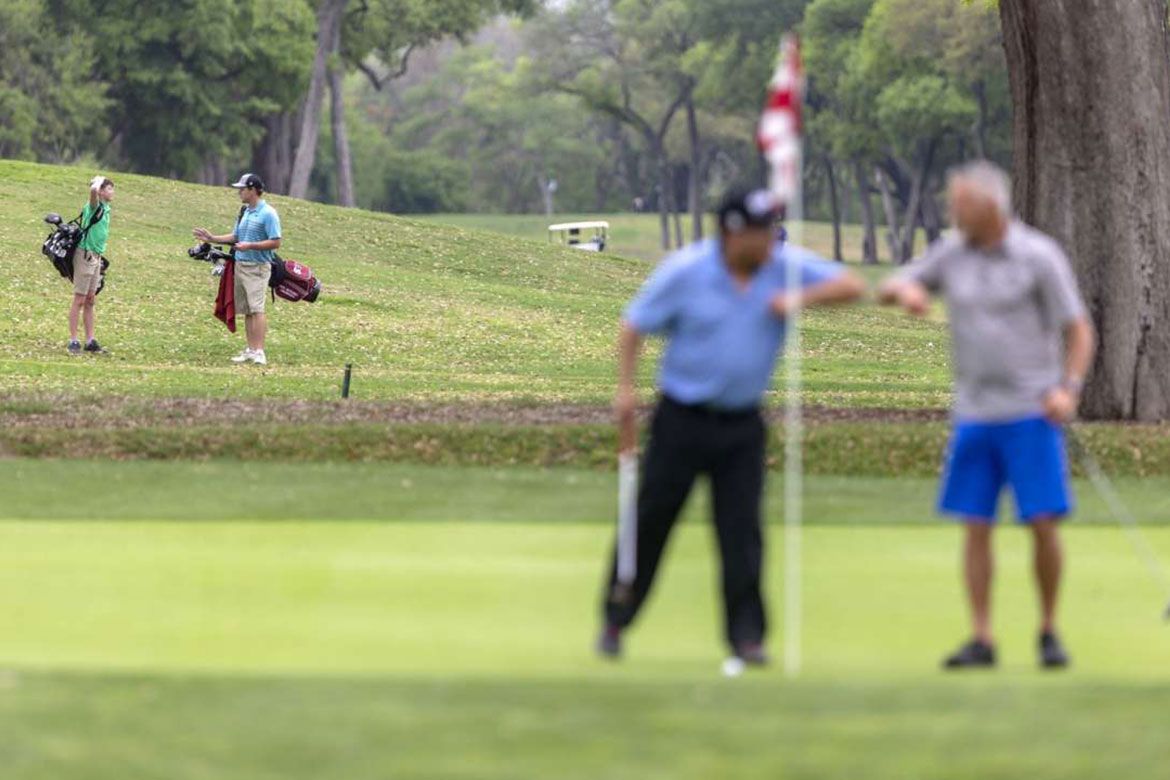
[517,600]
[367,650]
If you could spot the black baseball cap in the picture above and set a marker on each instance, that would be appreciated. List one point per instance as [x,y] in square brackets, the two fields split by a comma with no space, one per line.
[743,208]
[249,180]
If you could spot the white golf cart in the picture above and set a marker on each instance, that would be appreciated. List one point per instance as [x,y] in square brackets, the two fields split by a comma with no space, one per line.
[588,236]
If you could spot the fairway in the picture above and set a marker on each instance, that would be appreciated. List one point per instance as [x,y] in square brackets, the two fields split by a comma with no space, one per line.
[422,649]
[424,311]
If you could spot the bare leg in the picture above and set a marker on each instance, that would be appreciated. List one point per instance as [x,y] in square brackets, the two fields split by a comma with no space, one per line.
[89,318]
[260,330]
[257,327]
[1048,561]
[75,307]
[978,567]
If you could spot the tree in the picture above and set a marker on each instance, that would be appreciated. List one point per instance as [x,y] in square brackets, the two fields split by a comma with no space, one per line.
[183,92]
[1091,88]
[371,34]
[51,101]
[330,15]
[588,51]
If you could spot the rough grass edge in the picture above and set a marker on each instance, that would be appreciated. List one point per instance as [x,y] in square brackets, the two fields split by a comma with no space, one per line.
[842,449]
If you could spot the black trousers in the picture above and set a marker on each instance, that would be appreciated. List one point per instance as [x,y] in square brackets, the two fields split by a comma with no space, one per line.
[687,441]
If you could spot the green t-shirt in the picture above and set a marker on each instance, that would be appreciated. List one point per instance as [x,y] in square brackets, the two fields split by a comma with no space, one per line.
[95,239]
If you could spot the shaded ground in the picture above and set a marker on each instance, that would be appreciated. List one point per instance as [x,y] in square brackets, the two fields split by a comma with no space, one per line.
[124,412]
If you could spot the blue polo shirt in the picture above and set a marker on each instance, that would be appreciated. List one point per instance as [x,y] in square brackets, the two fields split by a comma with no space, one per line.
[722,341]
[259,223]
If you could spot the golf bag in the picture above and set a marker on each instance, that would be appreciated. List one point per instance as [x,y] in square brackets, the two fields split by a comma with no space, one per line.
[293,281]
[289,279]
[62,243]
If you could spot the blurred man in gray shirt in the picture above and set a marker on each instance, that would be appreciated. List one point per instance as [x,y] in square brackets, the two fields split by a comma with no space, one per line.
[1022,344]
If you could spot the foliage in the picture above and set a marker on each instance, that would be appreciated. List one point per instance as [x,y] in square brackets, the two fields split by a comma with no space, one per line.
[52,100]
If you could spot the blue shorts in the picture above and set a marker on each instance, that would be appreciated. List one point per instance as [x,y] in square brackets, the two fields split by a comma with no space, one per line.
[1028,455]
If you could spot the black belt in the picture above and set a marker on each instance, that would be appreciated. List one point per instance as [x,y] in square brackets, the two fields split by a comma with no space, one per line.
[712,411]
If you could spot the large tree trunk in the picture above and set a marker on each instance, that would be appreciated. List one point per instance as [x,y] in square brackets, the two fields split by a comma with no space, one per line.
[694,181]
[834,206]
[273,155]
[893,232]
[342,159]
[664,188]
[869,255]
[1091,88]
[329,18]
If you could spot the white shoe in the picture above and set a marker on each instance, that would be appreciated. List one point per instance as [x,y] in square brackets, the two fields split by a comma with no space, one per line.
[244,356]
[258,358]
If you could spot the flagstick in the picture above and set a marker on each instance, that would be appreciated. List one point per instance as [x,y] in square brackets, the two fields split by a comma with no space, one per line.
[793,444]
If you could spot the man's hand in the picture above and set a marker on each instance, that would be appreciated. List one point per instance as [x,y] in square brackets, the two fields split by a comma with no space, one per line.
[243,246]
[914,300]
[1060,405]
[625,407]
[785,303]
[96,182]
[202,234]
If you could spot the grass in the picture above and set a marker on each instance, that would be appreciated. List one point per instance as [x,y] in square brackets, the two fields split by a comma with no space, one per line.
[437,650]
[422,310]
[224,490]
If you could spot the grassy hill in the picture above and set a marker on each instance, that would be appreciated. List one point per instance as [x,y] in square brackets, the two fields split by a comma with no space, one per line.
[423,311]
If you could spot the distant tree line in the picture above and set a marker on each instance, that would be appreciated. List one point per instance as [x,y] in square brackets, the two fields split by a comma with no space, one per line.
[509,105]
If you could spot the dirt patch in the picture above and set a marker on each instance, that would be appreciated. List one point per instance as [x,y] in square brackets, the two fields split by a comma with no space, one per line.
[128,413]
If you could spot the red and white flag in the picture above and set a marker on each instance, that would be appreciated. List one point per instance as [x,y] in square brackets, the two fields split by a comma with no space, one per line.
[780,125]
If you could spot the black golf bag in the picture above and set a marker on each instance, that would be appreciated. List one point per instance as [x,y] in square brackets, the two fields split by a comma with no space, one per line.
[62,243]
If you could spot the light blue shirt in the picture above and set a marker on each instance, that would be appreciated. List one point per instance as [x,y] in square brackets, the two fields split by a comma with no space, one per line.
[722,341]
[259,223]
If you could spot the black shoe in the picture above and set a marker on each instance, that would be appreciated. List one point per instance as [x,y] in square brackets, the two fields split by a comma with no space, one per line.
[1052,652]
[752,654]
[973,655]
[609,644]
[94,347]
[74,347]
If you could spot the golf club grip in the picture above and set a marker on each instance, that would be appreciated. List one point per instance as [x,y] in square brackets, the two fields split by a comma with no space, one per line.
[627,537]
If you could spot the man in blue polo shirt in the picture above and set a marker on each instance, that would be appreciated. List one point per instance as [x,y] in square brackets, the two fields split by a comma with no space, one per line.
[722,305]
[256,239]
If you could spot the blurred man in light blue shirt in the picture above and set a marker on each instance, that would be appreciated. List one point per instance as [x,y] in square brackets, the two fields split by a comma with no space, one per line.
[722,306]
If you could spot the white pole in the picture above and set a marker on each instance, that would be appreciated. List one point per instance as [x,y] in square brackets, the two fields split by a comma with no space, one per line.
[793,443]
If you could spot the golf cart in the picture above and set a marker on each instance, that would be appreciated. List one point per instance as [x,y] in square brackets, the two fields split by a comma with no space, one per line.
[589,236]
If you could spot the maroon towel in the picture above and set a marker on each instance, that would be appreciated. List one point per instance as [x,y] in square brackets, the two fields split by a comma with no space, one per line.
[225,300]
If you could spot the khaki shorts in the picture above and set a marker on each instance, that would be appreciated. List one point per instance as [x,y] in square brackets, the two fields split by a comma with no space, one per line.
[251,287]
[87,272]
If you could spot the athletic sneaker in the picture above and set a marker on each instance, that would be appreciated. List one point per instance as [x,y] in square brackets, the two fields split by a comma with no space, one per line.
[74,347]
[752,654]
[609,644]
[258,358]
[973,655]
[94,347]
[1052,652]
[244,356]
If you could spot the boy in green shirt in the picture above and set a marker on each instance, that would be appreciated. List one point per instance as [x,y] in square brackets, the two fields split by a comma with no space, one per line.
[87,263]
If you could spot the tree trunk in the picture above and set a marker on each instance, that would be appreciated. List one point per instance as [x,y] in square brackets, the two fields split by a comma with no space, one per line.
[834,207]
[979,132]
[694,181]
[931,218]
[869,255]
[342,158]
[329,18]
[676,210]
[272,156]
[663,199]
[892,230]
[1091,89]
